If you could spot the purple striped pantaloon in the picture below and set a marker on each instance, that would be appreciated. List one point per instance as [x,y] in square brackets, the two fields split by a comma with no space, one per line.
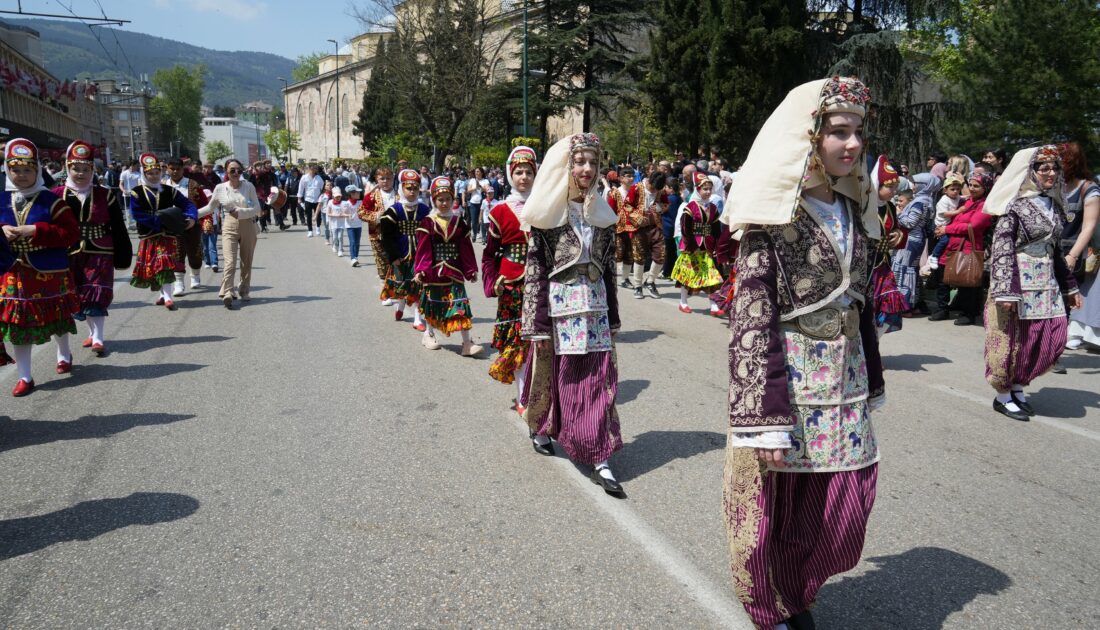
[1018,351]
[790,532]
[571,398]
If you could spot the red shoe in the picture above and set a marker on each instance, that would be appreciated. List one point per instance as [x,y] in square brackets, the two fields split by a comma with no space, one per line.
[420,327]
[170,305]
[398,315]
[64,367]
[685,309]
[716,313]
[160,301]
[98,349]
[22,388]
[520,409]
[87,343]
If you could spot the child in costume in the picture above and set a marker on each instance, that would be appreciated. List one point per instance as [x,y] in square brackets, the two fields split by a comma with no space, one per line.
[377,201]
[155,208]
[696,270]
[36,299]
[398,225]
[444,259]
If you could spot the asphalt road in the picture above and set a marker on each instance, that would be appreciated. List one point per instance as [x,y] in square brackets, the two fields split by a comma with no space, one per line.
[303,463]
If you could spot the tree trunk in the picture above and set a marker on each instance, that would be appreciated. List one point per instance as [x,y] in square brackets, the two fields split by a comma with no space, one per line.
[586,119]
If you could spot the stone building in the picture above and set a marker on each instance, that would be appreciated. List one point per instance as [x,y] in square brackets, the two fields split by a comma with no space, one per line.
[124,109]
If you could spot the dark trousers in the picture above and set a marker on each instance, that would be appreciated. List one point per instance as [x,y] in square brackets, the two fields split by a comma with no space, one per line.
[671,254]
[307,213]
[189,247]
[967,299]
[292,209]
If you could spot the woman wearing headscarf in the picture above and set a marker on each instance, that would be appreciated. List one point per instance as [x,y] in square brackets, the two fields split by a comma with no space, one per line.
[160,212]
[571,311]
[36,292]
[104,243]
[1030,283]
[889,303]
[503,264]
[915,218]
[970,220]
[801,458]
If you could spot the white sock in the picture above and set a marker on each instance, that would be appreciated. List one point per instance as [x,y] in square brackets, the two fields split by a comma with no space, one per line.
[639,270]
[166,291]
[1018,393]
[1006,400]
[604,470]
[521,377]
[22,356]
[416,316]
[465,337]
[63,351]
[683,296]
[96,324]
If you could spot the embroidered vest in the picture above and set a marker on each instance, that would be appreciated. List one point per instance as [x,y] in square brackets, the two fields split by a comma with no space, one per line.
[149,201]
[94,216]
[512,255]
[38,210]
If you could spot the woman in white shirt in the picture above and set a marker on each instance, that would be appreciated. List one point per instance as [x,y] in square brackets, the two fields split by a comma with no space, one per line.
[475,191]
[237,206]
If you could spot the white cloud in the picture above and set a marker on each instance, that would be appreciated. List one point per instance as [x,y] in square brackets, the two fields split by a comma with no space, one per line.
[236,9]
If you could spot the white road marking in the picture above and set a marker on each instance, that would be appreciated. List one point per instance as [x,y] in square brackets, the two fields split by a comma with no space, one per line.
[726,611]
[988,402]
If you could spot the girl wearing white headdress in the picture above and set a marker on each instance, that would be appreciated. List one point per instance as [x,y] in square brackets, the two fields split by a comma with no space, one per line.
[1030,283]
[801,458]
[571,311]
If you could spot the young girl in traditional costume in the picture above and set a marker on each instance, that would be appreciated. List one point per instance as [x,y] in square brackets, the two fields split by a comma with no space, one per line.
[696,270]
[889,303]
[36,299]
[156,209]
[398,225]
[571,311]
[104,243]
[444,260]
[1030,286]
[377,201]
[503,264]
[801,458]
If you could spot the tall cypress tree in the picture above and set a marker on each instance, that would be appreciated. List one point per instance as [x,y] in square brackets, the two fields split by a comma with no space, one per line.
[376,116]
[677,64]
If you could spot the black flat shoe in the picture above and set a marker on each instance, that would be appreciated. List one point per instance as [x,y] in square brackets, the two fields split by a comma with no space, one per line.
[802,621]
[1058,368]
[999,407]
[938,316]
[964,321]
[610,486]
[542,449]
[1023,405]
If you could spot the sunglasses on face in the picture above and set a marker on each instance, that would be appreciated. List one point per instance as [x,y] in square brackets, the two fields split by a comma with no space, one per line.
[1047,168]
[234,170]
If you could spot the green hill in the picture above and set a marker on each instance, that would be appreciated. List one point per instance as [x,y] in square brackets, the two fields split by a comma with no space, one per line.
[70,51]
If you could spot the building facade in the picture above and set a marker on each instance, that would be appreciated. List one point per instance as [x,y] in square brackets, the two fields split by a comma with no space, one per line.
[245,139]
[257,112]
[125,114]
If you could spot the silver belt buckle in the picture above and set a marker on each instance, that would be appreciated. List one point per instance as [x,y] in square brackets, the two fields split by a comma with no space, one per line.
[824,324]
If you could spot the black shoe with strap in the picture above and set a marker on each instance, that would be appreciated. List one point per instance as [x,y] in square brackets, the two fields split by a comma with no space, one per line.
[610,486]
[1023,404]
[1002,409]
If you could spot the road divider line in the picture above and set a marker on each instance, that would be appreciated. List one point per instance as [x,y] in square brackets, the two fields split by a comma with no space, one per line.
[1050,422]
[716,600]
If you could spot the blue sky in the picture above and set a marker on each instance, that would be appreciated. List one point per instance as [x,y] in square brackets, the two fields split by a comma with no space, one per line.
[283,27]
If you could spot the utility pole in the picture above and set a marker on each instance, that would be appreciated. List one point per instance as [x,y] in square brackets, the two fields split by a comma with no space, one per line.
[337,80]
[286,114]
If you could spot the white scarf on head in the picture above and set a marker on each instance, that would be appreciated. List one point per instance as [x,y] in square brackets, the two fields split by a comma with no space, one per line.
[81,193]
[39,183]
[547,206]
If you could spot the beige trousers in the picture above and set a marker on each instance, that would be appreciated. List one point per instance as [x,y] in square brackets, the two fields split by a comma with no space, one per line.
[238,236]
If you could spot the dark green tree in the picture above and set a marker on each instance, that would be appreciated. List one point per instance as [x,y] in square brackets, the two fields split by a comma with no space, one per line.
[174,115]
[376,116]
[676,69]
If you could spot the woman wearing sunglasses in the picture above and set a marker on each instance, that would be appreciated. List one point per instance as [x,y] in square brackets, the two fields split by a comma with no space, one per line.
[238,206]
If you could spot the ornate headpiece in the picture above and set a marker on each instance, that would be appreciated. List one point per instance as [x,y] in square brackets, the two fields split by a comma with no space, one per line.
[20,152]
[148,162]
[1018,180]
[844,95]
[699,178]
[613,176]
[442,185]
[409,176]
[521,155]
[79,152]
[584,142]
[885,172]
[1047,153]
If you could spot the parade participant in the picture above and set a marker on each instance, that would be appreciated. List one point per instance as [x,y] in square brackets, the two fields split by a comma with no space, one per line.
[36,299]
[398,225]
[444,260]
[801,457]
[235,203]
[337,212]
[355,224]
[889,304]
[156,208]
[309,194]
[104,244]
[1030,284]
[626,224]
[188,244]
[571,310]
[377,201]
[648,243]
[725,256]
[696,270]
[502,271]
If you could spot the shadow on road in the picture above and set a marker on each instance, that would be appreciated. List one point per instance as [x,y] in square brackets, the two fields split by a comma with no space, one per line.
[637,336]
[653,449]
[1059,402]
[629,389]
[89,519]
[915,590]
[293,299]
[134,346]
[911,362]
[21,433]
[96,372]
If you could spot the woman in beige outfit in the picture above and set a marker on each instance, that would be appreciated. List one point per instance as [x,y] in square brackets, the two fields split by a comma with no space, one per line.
[236,200]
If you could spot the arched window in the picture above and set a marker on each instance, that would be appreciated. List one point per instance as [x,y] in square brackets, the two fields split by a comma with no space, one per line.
[330,113]
[345,113]
[298,118]
[312,117]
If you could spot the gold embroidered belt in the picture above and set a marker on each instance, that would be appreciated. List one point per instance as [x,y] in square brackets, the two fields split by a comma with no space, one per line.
[24,246]
[515,252]
[408,228]
[444,251]
[700,229]
[92,231]
[827,323]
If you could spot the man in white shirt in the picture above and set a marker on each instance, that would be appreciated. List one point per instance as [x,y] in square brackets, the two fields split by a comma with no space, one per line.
[127,180]
[309,192]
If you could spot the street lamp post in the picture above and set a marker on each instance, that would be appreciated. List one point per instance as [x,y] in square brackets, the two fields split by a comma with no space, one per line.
[124,87]
[286,114]
[337,105]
